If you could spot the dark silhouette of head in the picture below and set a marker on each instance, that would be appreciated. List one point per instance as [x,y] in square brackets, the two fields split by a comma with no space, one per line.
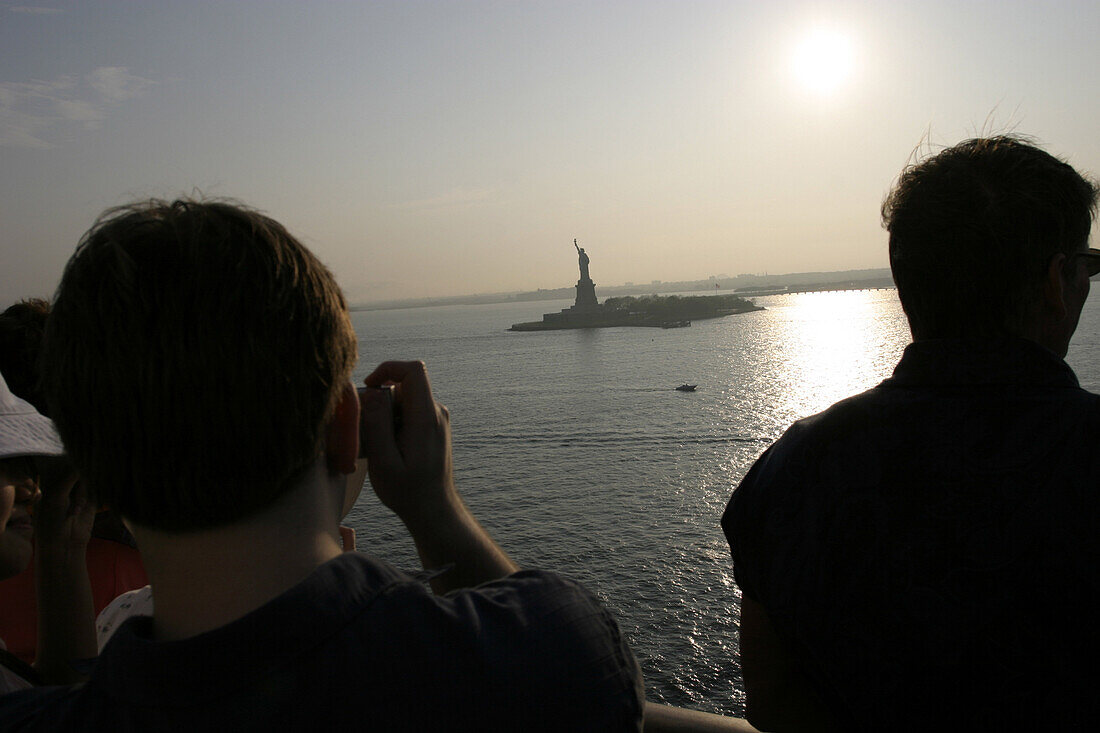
[193,358]
[973,231]
[22,327]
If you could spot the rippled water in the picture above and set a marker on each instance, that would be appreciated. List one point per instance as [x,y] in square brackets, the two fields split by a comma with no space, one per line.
[576,453]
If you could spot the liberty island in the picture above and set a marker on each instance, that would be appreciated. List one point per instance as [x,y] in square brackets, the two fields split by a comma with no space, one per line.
[664,311]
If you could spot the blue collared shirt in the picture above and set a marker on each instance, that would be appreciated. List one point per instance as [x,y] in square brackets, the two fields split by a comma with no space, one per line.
[359,645]
[928,549]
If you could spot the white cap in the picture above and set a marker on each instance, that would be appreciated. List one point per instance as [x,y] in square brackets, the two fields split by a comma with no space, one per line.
[24,432]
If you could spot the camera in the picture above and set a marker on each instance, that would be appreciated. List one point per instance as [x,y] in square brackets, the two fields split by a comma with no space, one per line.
[362,391]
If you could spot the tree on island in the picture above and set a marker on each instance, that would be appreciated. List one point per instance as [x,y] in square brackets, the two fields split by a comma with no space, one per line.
[676,306]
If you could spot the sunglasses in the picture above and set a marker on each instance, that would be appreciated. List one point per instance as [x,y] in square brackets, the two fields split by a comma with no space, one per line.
[1092,260]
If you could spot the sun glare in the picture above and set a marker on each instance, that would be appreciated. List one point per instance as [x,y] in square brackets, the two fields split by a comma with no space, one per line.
[823,60]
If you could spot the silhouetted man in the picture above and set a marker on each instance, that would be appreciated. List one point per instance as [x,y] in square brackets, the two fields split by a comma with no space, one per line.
[923,555]
[197,365]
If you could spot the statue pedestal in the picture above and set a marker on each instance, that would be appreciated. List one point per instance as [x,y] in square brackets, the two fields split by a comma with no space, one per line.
[586,295]
[586,312]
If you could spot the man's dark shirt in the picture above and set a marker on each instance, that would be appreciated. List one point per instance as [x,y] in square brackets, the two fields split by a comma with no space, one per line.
[928,549]
[361,646]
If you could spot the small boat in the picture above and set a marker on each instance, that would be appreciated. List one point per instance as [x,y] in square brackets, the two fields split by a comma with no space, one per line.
[675,324]
[686,388]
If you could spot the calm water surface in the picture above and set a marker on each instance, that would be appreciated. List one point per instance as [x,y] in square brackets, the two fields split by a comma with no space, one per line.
[576,453]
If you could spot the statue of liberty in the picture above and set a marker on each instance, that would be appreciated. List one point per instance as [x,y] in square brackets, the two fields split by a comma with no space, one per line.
[582,258]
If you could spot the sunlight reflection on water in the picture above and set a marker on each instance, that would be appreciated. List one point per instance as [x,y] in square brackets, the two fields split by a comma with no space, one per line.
[835,344]
[577,454]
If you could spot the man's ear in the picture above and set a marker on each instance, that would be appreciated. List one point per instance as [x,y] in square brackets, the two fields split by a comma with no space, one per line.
[342,439]
[1054,285]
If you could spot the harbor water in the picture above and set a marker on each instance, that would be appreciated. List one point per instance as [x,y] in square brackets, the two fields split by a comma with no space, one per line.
[577,454]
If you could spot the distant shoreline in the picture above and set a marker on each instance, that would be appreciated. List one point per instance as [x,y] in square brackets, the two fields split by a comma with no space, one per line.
[746,286]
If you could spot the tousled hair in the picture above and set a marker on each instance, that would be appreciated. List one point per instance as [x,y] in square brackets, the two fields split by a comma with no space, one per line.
[194,356]
[973,230]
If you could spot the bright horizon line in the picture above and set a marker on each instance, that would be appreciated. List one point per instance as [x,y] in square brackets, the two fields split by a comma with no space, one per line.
[627,284]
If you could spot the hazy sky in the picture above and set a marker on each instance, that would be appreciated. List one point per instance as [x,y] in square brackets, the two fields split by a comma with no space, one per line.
[434,148]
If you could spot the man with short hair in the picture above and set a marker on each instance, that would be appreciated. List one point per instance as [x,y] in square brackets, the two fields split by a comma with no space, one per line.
[924,554]
[197,365]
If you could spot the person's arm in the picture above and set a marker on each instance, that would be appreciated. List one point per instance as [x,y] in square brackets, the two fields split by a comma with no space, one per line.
[778,696]
[411,471]
[668,719]
[66,616]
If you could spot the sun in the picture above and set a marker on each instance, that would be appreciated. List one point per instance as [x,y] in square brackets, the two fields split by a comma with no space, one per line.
[823,60]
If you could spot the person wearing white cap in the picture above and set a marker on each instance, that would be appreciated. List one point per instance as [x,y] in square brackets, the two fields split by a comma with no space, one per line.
[31,455]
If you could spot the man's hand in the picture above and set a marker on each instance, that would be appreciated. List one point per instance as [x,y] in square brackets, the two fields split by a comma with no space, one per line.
[65,514]
[409,466]
[66,618]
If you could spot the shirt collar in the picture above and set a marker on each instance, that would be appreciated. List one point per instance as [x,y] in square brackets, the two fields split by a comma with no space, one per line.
[961,362]
[134,667]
